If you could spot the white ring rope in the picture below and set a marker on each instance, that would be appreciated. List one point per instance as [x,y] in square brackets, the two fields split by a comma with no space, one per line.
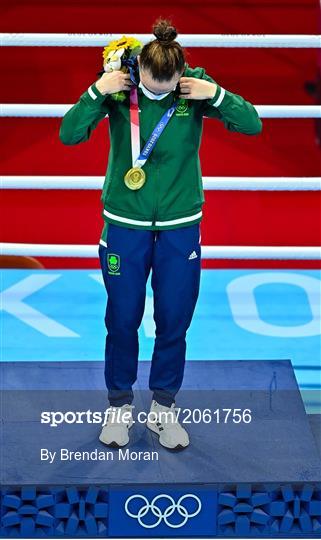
[265,111]
[57,111]
[215,183]
[186,40]
[208,252]
[261,252]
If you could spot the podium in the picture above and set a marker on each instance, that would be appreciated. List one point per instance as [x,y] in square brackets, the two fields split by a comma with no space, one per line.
[253,467]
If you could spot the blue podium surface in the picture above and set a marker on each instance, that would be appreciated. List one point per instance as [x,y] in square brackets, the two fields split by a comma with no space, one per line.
[253,467]
[246,421]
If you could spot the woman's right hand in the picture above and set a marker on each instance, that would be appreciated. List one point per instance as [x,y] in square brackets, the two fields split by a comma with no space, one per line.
[112,82]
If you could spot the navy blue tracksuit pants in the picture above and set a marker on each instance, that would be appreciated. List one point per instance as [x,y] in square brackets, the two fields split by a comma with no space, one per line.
[174,257]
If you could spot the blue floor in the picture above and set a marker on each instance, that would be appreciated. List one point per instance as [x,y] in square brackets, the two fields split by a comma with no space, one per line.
[274,443]
[58,315]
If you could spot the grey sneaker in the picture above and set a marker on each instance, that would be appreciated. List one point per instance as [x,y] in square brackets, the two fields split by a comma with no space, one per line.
[171,434]
[115,431]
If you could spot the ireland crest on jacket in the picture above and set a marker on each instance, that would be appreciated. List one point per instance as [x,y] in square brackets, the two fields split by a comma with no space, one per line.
[182,108]
[113,262]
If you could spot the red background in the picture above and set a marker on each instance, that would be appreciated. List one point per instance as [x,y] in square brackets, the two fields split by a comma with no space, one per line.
[286,147]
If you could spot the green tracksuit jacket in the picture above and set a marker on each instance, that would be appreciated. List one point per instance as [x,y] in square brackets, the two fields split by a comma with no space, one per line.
[172,195]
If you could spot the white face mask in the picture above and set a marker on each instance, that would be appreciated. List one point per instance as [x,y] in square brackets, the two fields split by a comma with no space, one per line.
[150,95]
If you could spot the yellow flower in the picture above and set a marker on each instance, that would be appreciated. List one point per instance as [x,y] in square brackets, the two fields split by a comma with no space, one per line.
[124,42]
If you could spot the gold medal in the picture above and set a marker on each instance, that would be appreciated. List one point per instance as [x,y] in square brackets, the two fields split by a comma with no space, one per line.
[135,178]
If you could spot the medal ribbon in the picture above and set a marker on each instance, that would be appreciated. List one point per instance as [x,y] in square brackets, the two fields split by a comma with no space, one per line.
[139,158]
[134,124]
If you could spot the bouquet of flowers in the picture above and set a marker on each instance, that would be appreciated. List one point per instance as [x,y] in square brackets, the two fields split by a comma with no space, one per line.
[121,55]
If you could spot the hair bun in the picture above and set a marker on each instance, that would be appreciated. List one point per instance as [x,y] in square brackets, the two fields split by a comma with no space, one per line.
[164,31]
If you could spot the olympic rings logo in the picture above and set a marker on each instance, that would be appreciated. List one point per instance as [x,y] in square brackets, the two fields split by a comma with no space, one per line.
[163,514]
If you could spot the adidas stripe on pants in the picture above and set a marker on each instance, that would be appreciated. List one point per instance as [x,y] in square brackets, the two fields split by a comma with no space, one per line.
[174,258]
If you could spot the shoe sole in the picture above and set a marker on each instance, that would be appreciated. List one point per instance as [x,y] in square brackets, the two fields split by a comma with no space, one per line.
[177,448]
[114,444]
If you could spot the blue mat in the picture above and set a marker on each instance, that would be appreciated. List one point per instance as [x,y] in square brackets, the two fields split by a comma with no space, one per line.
[277,445]
[58,315]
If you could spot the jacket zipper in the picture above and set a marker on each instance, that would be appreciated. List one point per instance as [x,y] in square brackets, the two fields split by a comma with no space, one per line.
[155,206]
[154,216]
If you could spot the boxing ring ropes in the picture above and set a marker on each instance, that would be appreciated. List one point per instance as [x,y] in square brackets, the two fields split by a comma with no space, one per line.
[209,183]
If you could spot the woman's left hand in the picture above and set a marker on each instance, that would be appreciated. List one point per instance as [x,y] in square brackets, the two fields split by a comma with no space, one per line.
[192,88]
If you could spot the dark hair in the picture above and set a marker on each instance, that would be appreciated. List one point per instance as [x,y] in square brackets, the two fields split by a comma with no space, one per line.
[163,56]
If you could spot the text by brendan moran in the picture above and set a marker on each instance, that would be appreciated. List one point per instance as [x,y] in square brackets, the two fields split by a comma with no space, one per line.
[64,454]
